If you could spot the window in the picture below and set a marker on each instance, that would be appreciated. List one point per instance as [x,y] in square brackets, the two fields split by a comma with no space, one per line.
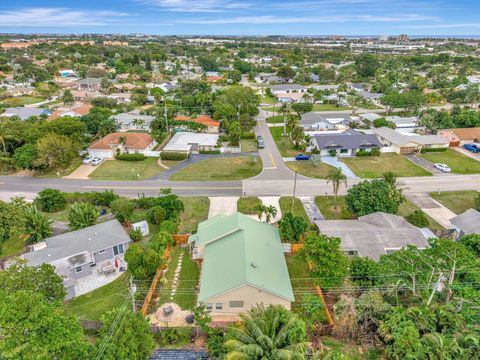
[218,306]
[118,249]
[351,252]
[236,304]
[101,252]
[208,306]
[343,151]
[78,269]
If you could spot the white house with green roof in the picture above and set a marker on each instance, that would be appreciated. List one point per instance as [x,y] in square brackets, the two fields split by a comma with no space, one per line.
[243,265]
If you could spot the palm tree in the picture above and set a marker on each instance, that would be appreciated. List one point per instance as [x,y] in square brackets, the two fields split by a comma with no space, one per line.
[336,177]
[37,225]
[391,178]
[441,347]
[266,333]
[473,94]
[270,212]
[5,135]
[259,209]
[297,135]
[82,215]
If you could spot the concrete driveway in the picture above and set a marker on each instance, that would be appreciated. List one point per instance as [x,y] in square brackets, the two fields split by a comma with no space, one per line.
[82,172]
[427,165]
[468,153]
[334,161]
[222,204]
[433,208]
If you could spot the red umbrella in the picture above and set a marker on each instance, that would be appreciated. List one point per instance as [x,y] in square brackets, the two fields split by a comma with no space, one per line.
[116,264]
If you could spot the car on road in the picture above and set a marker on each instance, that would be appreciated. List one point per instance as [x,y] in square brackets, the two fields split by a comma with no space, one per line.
[97,161]
[302,157]
[472,147]
[442,167]
[87,160]
[260,142]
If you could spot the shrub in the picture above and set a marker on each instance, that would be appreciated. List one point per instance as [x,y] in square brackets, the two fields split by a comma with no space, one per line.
[174,336]
[332,152]
[175,156]
[130,157]
[51,200]
[209,152]
[143,263]
[418,218]
[291,227]
[122,209]
[156,215]
[424,150]
[160,241]
[136,234]
[247,136]
[170,225]
[375,152]
[82,215]
[372,152]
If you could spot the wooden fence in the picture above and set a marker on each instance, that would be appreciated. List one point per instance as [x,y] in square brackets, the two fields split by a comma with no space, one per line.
[330,320]
[155,280]
[180,239]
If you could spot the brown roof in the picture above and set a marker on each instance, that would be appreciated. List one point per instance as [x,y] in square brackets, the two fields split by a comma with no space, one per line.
[467,133]
[139,141]
[201,119]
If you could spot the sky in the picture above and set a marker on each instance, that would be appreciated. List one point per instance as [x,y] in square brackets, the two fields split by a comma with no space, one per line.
[242,17]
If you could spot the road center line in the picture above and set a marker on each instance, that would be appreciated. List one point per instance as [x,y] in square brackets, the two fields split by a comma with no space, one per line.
[272,159]
[158,187]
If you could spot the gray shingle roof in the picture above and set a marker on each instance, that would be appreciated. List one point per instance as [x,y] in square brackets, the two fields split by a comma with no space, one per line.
[127,118]
[468,222]
[349,139]
[90,81]
[393,136]
[25,112]
[311,117]
[372,234]
[284,87]
[80,242]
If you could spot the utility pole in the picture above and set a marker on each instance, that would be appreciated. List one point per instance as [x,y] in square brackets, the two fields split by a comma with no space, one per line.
[133,290]
[238,113]
[294,190]
[284,120]
[440,277]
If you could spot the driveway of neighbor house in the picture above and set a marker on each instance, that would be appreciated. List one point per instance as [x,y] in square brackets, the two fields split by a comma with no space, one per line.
[333,161]
[433,208]
[82,172]
[468,153]
[222,204]
[427,165]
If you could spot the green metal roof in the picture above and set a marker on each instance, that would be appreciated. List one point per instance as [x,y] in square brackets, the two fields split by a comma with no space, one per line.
[238,251]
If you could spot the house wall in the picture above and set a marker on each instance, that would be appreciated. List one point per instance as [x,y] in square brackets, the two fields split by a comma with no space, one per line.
[86,270]
[350,152]
[251,296]
[99,257]
[107,154]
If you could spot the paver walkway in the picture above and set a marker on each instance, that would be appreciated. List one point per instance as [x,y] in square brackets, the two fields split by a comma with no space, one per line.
[311,208]
[433,208]
[222,204]
[333,161]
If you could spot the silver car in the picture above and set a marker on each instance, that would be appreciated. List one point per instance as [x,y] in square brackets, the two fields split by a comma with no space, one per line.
[97,161]
[442,167]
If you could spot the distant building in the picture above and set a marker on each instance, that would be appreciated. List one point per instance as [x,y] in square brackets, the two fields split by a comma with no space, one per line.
[312,121]
[89,84]
[67,73]
[132,121]
[212,126]
[467,223]
[122,142]
[460,136]
[25,113]
[190,142]
[347,143]
[394,141]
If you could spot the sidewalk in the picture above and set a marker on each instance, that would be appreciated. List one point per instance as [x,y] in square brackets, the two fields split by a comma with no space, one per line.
[333,161]
[433,208]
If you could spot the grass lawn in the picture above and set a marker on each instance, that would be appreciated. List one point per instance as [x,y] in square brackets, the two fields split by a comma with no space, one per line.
[284,144]
[369,167]
[459,163]
[298,209]
[185,296]
[308,169]
[13,246]
[246,205]
[220,168]
[54,173]
[127,170]
[195,211]
[93,305]
[277,119]
[457,201]
[22,100]
[326,206]
[248,145]
[300,279]
[268,100]
[328,107]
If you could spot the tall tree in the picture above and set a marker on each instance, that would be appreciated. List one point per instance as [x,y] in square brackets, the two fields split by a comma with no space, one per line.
[37,225]
[336,177]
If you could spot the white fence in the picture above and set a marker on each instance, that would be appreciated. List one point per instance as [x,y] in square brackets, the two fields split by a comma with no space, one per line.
[287,248]
[230,150]
[151,153]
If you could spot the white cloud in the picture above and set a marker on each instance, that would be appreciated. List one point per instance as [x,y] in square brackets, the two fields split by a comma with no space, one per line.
[270,19]
[197,5]
[56,17]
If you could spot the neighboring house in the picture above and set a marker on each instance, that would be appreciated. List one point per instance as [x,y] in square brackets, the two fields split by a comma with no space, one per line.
[76,111]
[368,95]
[290,97]
[375,234]
[132,121]
[25,113]
[89,84]
[124,98]
[402,124]
[312,121]
[67,73]
[287,89]
[123,142]
[92,251]
[467,223]
[20,91]
[242,265]
[190,142]
[326,87]
[347,143]
[399,143]
[85,95]
[212,126]
[458,137]
[267,78]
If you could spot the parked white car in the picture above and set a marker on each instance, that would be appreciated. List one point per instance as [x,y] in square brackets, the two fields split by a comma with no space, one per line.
[442,167]
[97,161]
[87,160]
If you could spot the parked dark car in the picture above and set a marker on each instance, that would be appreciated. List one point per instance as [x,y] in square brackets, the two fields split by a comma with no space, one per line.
[302,157]
[472,147]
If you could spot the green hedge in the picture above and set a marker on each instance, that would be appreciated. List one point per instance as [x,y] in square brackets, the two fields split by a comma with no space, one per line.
[130,157]
[209,151]
[424,150]
[175,156]
[372,152]
[246,136]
